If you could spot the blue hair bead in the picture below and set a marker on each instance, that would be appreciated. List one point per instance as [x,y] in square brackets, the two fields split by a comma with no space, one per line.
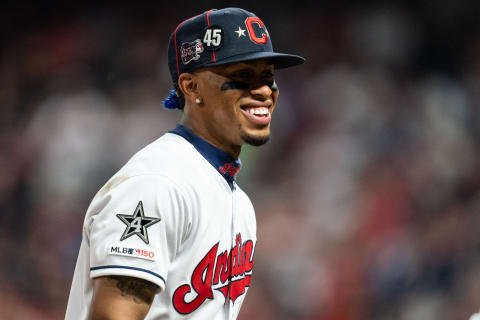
[172,102]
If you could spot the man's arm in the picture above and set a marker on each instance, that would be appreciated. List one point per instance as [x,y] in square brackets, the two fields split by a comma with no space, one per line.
[120,297]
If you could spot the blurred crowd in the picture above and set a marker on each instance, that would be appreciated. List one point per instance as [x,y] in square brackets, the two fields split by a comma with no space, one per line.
[367,197]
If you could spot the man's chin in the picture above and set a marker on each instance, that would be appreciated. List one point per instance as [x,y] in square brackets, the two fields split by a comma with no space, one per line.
[255,140]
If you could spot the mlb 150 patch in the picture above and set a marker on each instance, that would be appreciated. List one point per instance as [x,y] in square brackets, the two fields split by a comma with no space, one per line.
[142,253]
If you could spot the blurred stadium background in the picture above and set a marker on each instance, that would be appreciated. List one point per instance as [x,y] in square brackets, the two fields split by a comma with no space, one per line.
[367,197]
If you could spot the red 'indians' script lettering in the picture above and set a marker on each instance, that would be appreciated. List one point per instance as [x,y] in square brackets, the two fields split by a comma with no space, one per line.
[213,270]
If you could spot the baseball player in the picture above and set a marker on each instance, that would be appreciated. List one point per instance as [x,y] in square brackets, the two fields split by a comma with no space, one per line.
[171,235]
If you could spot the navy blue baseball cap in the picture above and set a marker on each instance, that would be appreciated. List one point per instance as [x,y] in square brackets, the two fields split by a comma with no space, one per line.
[218,37]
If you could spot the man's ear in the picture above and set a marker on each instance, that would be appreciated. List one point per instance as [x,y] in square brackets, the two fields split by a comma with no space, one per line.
[188,84]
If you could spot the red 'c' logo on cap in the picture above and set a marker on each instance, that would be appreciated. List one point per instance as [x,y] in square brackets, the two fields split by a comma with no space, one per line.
[249,23]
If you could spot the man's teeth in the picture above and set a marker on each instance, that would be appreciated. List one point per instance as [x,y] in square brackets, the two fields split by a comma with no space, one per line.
[258,111]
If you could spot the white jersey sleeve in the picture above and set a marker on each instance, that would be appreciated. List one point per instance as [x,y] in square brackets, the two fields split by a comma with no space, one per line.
[135,227]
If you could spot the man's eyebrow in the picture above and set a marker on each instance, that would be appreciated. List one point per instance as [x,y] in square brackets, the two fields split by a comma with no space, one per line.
[250,62]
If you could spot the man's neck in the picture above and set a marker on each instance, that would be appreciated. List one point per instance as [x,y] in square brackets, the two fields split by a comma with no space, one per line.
[233,151]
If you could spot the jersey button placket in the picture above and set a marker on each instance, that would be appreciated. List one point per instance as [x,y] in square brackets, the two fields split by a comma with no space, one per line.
[231,314]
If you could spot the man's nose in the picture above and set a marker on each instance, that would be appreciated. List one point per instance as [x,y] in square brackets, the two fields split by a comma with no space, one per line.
[263,91]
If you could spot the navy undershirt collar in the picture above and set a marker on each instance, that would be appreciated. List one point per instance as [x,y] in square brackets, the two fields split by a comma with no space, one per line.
[224,163]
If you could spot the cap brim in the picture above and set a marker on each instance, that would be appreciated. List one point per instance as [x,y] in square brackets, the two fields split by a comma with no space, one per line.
[279,60]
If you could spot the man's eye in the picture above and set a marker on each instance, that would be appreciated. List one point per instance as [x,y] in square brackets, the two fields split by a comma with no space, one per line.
[269,79]
[268,74]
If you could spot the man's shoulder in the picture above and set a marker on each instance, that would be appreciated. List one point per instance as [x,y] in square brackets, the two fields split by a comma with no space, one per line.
[157,166]
[167,155]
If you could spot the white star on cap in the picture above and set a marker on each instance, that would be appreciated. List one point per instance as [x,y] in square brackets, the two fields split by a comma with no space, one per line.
[240,32]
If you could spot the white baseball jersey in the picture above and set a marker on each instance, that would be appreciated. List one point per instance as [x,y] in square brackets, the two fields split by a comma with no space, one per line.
[173,215]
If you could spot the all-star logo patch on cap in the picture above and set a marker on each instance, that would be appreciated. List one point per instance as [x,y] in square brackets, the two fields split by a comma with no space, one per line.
[218,37]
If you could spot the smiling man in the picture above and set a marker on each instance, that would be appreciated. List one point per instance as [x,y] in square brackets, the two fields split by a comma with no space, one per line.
[171,235]
[238,100]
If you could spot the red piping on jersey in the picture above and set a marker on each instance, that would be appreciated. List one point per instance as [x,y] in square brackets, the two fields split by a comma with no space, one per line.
[208,23]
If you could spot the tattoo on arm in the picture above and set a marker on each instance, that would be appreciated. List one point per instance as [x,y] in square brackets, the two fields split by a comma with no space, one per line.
[141,291]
